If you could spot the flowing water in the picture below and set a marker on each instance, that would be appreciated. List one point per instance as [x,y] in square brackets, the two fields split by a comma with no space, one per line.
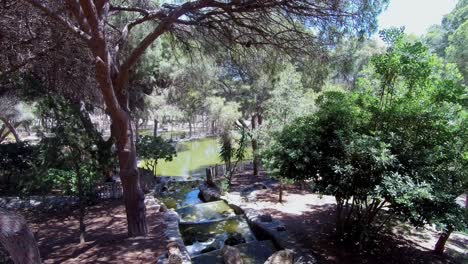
[204,227]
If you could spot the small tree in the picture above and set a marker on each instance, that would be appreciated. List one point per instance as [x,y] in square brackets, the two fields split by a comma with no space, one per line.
[153,149]
[232,151]
[71,159]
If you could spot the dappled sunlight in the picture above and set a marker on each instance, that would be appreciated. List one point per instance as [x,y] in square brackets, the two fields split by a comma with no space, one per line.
[107,239]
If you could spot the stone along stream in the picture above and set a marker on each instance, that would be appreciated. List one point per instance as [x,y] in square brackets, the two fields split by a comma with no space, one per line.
[207,227]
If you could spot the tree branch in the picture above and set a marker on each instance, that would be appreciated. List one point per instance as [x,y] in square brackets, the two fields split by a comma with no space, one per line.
[75,30]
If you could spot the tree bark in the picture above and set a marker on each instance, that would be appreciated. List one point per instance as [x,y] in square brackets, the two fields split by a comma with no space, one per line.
[256,157]
[11,128]
[190,128]
[280,199]
[18,239]
[81,204]
[440,245]
[133,195]
[155,130]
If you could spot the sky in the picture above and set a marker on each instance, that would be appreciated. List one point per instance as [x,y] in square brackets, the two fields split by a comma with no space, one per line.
[415,15]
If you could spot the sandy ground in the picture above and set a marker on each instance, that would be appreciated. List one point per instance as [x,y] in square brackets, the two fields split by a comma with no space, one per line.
[310,220]
[107,240]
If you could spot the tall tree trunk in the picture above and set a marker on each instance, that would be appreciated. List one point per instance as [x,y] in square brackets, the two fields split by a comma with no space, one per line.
[256,157]
[440,245]
[18,239]
[81,203]
[190,127]
[11,128]
[280,199]
[133,195]
[155,130]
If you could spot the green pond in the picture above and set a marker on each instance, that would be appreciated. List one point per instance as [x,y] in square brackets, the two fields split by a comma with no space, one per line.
[193,157]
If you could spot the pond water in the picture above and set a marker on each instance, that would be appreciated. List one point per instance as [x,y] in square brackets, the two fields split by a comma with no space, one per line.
[193,157]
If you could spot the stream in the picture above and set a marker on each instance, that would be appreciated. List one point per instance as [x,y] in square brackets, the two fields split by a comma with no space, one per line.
[207,227]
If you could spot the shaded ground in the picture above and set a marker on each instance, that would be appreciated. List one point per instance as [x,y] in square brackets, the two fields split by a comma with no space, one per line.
[310,220]
[107,241]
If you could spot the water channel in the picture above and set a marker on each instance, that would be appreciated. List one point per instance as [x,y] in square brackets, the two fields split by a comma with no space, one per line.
[206,227]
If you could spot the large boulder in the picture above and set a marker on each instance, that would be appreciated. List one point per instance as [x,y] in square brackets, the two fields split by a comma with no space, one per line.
[209,194]
[231,255]
[281,257]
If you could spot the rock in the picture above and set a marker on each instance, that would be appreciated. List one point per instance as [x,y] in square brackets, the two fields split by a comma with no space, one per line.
[209,194]
[234,239]
[281,257]
[163,208]
[231,255]
[174,259]
[174,256]
[266,218]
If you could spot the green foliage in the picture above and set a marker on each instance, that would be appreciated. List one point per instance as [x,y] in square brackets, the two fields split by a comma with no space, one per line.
[74,158]
[449,39]
[16,162]
[232,151]
[406,150]
[153,149]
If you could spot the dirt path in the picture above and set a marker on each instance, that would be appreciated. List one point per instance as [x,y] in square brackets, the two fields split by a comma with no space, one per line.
[309,218]
[107,241]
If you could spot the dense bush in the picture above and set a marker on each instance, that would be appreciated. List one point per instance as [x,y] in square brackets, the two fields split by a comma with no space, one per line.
[401,145]
[16,162]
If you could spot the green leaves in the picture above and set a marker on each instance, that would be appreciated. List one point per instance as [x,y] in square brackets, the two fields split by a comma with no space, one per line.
[407,148]
[153,149]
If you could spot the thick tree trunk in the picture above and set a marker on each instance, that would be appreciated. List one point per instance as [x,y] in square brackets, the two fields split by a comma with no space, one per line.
[11,128]
[440,245]
[17,238]
[133,195]
[256,157]
[155,130]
